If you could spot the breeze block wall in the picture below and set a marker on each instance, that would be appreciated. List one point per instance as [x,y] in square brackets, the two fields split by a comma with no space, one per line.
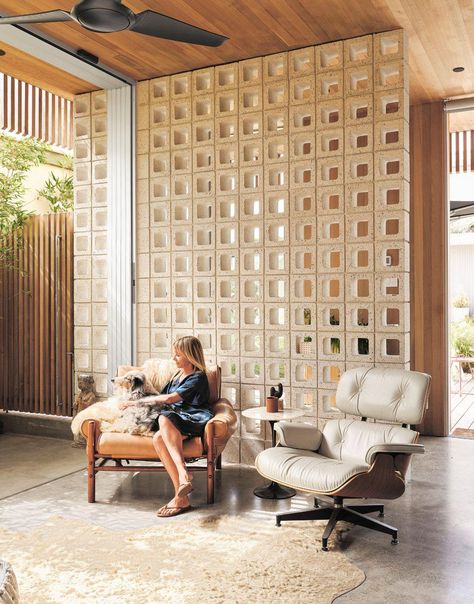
[90,236]
[272,221]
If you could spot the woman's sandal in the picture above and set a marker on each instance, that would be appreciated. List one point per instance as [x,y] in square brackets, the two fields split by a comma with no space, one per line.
[167,511]
[184,489]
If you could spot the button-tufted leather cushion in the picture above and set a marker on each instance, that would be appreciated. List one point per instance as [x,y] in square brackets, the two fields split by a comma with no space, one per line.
[298,436]
[392,395]
[349,440]
[306,470]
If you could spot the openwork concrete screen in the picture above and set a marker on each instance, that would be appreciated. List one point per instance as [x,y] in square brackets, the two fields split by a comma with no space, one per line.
[272,220]
[90,236]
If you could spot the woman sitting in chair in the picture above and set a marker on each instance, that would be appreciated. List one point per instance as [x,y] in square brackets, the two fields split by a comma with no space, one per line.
[186,396]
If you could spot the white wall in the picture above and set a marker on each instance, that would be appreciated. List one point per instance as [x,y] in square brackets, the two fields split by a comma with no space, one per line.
[35,180]
[461,186]
[461,266]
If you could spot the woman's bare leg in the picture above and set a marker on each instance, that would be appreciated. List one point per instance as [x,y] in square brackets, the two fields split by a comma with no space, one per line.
[170,466]
[166,459]
[173,439]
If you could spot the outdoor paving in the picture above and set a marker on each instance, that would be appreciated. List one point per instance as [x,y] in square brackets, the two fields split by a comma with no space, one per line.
[462,401]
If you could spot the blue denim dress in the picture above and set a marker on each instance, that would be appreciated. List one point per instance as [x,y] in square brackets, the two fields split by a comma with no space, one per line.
[191,414]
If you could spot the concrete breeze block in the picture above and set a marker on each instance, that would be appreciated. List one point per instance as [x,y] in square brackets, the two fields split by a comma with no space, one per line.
[331,317]
[260,185]
[329,57]
[358,51]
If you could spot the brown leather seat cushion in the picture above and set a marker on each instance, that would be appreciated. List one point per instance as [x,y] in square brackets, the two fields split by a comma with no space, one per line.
[130,446]
[214,379]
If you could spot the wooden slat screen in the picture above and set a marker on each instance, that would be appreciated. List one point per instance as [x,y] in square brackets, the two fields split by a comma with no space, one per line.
[461,151]
[31,111]
[36,320]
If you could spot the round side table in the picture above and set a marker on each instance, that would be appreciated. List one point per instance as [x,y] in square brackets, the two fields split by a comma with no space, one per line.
[273,490]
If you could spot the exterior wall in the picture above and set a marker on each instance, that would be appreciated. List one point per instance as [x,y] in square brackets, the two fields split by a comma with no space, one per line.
[272,208]
[90,236]
[36,179]
[461,261]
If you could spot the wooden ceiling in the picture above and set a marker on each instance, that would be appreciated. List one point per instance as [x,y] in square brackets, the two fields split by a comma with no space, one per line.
[441,34]
[461,120]
[33,71]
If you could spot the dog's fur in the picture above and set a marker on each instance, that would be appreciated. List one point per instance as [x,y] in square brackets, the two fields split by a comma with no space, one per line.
[107,412]
[140,417]
[134,385]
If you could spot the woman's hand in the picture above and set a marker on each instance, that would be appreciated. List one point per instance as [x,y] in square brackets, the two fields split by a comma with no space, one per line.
[126,404]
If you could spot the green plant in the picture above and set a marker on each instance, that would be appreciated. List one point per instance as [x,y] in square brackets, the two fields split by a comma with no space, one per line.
[461,301]
[335,345]
[464,345]
[59,192]
[333,320]
[17,157]
[67,163]
[462,336]
[462,339]
[307,339]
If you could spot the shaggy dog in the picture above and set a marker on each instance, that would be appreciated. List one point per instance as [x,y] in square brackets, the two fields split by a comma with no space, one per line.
[157,373]
[140,417]
[134,385]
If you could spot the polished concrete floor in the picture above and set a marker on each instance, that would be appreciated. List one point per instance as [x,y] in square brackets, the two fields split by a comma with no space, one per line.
[433,562]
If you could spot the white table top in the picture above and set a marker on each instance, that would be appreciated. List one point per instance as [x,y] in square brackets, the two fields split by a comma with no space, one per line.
[262,413]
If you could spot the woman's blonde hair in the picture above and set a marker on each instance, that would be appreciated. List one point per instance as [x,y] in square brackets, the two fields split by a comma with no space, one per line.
[191,348]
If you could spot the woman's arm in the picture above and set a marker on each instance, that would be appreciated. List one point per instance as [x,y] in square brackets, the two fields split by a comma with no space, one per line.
[174,397]
[166,399]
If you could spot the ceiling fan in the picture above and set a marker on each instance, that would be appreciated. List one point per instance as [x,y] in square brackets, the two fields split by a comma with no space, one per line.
[106,16]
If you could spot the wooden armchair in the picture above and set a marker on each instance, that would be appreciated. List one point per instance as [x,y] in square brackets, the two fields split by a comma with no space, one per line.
[116,447]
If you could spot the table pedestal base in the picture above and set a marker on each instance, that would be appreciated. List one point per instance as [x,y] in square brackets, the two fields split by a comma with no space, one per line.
[274,491]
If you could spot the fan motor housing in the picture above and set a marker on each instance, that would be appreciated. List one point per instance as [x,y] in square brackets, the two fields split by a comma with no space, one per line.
[104,16]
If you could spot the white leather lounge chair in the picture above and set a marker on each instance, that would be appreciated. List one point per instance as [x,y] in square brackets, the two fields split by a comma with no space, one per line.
[353,458]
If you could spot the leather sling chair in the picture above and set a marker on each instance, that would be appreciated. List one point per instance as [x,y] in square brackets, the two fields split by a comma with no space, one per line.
[353,458]
[117,447]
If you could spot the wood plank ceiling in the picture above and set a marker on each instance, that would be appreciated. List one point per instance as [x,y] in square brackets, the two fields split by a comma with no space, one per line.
[33,71]
[441,35]
[461,121]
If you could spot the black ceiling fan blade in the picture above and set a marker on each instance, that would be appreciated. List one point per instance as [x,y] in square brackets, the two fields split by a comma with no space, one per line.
[155,24]
[51,16]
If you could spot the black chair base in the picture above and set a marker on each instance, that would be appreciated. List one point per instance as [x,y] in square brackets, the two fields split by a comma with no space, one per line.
[351,513]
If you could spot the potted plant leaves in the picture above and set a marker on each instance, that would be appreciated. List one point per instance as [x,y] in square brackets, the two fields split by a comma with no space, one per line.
[307,345]
[335,345]
[460,308]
